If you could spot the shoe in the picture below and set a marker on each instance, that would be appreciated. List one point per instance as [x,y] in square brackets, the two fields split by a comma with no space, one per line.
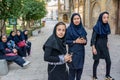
[95,78]
[109,78]
[26,64]
[24,58]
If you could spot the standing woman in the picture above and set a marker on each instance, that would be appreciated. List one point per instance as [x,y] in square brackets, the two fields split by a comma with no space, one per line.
[55,53]
[28,46]
[99,43]
[76,40]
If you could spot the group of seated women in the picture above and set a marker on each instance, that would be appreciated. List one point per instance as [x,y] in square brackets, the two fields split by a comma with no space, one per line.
[15,47]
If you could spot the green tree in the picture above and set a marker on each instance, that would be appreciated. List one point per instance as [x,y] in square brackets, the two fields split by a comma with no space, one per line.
[33,10]
[9,9]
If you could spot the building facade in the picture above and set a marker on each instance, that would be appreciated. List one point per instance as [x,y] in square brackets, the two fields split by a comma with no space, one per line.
[90,10]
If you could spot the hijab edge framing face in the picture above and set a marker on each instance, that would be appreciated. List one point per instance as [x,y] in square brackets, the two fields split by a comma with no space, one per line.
[72,19]
[25,31]
[76,31]
[102,28]
[58,31]
[19,32]
[4,39]
[12,33]
[55,42]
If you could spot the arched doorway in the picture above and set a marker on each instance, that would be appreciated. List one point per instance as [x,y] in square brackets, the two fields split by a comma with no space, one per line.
[65,18]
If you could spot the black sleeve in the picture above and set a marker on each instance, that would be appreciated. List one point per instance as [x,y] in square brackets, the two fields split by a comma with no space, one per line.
[85,39]
[93,39]
[2,49]
[48,57]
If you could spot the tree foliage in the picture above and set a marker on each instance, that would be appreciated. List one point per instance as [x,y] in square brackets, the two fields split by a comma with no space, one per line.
[10,9]
[33,9]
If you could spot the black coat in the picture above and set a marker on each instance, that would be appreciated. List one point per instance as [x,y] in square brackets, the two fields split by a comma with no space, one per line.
[100,43]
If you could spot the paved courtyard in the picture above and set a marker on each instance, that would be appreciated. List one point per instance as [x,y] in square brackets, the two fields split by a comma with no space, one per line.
[38,68]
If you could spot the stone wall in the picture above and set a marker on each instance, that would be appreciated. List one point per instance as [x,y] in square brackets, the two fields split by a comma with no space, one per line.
[98,6]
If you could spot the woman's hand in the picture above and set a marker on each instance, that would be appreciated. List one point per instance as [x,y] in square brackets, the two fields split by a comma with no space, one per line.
[80,41]
[68,58]
[15,51]
[94,51]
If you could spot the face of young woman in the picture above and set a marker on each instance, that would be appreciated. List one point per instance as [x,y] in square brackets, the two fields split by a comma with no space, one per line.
[4,39]
[26,32]
[105,18]
[76,20]
[18,33]
[60,31]
[13,34]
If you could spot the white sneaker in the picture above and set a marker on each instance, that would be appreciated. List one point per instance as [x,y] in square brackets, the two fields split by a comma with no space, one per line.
[26,63]
[24,58]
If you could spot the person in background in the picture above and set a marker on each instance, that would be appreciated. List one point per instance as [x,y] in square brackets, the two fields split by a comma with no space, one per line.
[99,43]
[11,41]
[55,53]
[28,46]
[76,40]
[10,54]
[19,38]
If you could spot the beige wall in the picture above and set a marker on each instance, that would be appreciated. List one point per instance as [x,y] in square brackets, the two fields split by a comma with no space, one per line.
[90,10]
[98,6]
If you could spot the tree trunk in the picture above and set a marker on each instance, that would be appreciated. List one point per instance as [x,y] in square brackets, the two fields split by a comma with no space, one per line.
[28,25]
[15,28]
[31,23]
[2,27]
[23,23]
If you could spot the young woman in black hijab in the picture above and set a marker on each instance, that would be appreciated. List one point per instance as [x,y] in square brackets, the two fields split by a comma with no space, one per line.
[12,41]
[76,40]
[55,53]
[28,46]
[99,43]
[19,38]
[10,54]
[12,36]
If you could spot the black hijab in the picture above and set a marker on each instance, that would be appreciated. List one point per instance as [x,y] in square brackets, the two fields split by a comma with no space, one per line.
[25,36]
[100,27]
[55,42]
[3,45]
[75,31]
[20,37]
[11,37]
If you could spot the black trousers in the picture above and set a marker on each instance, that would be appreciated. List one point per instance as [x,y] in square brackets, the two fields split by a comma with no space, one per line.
[75,73]
[108,67]
[28,47]
[17,59]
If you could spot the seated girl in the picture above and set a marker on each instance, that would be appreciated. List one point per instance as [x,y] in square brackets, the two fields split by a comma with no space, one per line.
[28,47]
[20,38]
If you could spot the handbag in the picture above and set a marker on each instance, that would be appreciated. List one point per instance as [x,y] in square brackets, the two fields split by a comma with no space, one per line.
[10,54]
[21,44]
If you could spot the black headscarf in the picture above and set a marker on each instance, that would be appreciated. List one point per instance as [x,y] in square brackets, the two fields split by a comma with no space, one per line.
[100,27]
[3,44]
[75,31]
[25,36]
[19,37]
[55,42]
[11,37]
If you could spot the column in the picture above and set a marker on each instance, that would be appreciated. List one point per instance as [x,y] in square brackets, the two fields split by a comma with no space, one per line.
[87,13]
